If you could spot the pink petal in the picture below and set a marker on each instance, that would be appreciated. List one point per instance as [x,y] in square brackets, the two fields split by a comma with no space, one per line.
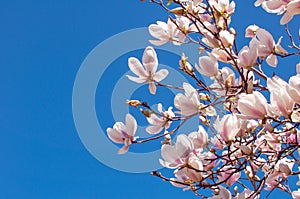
[114,135]
[150,60]
[136,67]
[152,88]
[130,124]
[154,129]
[123,150]
[160,75]
[272,60]
[136,79]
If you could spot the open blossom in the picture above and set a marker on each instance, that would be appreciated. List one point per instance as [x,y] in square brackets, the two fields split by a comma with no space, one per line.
[227,127]
[280,99]
[123,134]
[247,56]
[223,6]
[266,46]
[293,88]
[189,103]
[253,106]
[163,31]
[147,71]
[158,123]
[177,154]
[292,9]
[227,38]
[251,31]
[208,65]
[199,138]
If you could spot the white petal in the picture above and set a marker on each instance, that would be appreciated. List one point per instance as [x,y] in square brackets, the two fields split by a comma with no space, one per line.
[136,79]
[272,60]
[152,88]
[154,129]
[130,124]
[150,60]
[160,75]
[114,135]
[136,67]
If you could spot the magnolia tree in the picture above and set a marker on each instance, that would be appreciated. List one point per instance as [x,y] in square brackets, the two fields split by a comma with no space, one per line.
[248,138]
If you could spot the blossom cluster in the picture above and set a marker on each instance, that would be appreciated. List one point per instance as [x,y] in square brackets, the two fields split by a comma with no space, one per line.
[248,135]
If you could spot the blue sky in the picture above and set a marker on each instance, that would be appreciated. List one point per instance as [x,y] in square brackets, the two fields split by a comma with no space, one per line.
[43,44]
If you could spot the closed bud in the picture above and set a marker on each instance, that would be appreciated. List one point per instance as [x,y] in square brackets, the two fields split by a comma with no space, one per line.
[245,150]
[145,112]
[134,103]
[178,11]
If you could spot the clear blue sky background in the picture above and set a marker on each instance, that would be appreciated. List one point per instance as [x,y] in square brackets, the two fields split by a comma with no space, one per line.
[42,45]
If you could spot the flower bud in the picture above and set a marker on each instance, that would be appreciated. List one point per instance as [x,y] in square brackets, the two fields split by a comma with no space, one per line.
[134,103]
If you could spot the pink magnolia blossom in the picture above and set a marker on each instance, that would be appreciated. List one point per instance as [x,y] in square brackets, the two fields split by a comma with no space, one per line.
[148,72]
[123,134]
[224,75]
[247,56]
[189,103]
[253,106]
[223,6]
[280,99]
[194,171]
[199,138]
[293,88]
[251,31]
[227,127]
[292,9]
[180,176]
[177,154]
[158,123]
[223,194]
[208,65]
[277,6]
[227,38]
[267,47]
[164,32]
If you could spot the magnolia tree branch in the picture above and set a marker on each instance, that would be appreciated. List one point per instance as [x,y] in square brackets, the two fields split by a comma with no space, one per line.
[244,140]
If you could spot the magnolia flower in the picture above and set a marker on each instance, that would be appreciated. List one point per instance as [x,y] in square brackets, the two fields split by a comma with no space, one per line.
[227,38]
[280,99]
[293,88]
[189,103]
[176,155]
[208,65]
[123,134]
[292,9]
[223,194]
[199,138]
[251,31]
[224,80]
[158,123]
[266,46]
[247,56]
[252,106]
[163,31]
[147,71]
[223,6]
[227,127]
